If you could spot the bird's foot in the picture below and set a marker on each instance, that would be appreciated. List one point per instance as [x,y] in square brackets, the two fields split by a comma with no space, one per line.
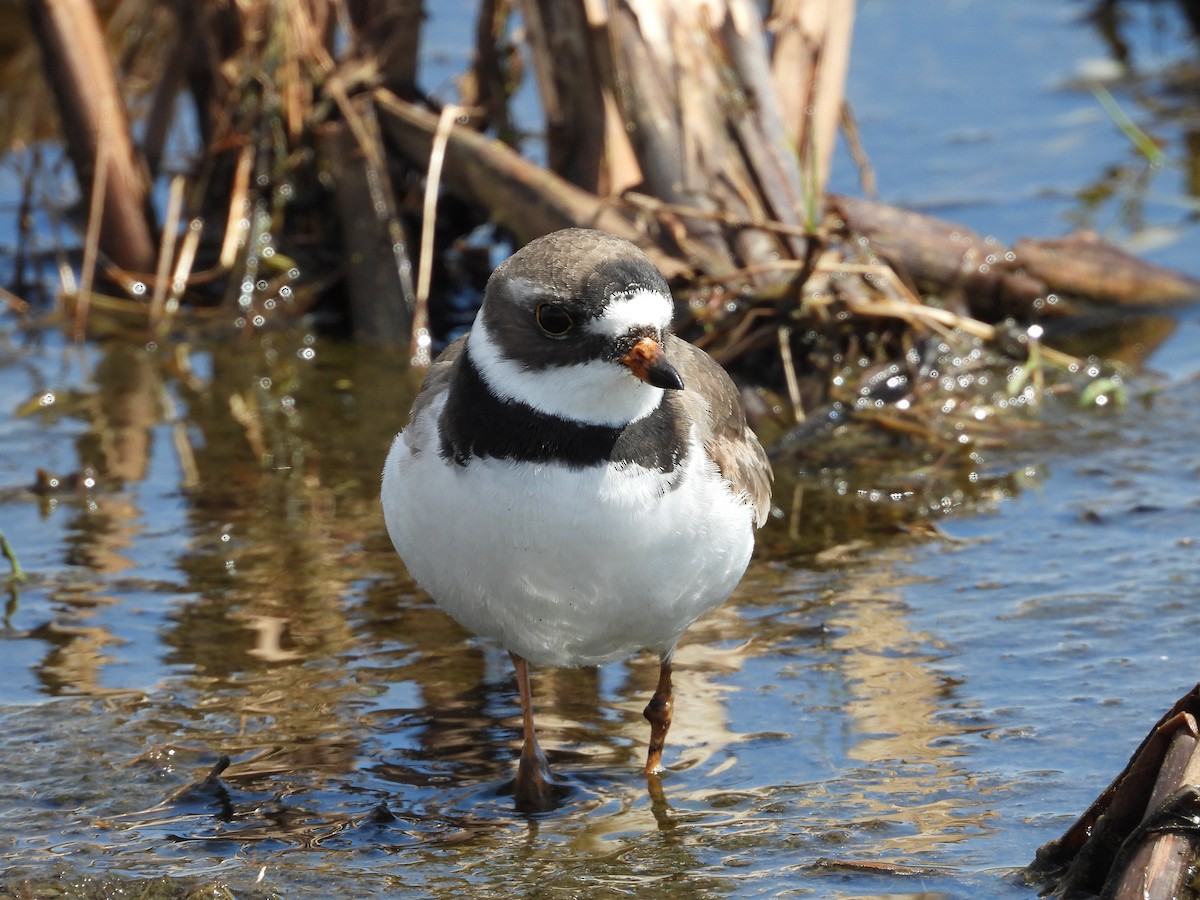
[535,789]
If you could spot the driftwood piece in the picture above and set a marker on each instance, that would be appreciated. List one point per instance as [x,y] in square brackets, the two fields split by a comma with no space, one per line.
[1141,837]
[522,197]
[1084,265]
[939,256]
[995,280]
[934,254]
[96,126]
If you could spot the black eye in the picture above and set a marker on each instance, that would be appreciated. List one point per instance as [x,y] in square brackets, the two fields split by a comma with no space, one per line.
[553,319]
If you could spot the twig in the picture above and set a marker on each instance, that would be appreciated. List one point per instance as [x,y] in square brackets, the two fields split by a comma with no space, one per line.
[858,152]
[646,203]
[789,372]
[12,301]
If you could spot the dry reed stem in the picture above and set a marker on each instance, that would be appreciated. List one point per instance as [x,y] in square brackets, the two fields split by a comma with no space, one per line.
[183,266]
[91,244]
[858,152]
[93,121]
[739,329]
[419,347]
[354,121]
[237,225]
[166,251]
[789,373]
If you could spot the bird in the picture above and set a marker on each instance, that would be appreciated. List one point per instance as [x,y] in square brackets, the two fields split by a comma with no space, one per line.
[575,481]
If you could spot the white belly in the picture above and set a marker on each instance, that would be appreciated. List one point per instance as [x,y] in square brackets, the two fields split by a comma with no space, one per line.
[566,567]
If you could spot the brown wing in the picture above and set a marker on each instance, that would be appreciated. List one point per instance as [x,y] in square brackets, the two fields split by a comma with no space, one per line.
[437,382]
[721,424]
[437,379]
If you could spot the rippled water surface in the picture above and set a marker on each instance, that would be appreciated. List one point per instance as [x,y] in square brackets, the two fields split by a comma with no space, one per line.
[876,712]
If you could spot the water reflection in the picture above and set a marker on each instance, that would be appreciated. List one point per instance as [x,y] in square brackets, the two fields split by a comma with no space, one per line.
[1159,95]
[226,588]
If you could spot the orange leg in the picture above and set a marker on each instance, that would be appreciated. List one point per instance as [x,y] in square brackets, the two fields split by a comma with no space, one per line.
[533,789]
[658,713]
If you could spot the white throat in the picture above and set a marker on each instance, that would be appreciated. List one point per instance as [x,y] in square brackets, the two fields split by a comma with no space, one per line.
[594,392]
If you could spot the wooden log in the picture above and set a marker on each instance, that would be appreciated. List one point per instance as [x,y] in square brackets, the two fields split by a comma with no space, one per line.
[938,257]
[1084,265]
[1138,839]
[525,199]
[80,73]
[996,281]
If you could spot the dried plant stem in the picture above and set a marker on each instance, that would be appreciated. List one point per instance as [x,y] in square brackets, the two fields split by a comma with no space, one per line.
[419,350]
[91,243]
[789,372]
[183,266]
[166,252]
[237,225]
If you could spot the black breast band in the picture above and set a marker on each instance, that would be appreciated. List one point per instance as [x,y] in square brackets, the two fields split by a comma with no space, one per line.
[477,423]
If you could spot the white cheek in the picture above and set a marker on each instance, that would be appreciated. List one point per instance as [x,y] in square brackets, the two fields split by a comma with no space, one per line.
[596,392]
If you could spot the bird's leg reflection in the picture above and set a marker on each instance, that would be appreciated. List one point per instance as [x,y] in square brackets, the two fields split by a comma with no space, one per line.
[659,807]
[533,789]
[658,713]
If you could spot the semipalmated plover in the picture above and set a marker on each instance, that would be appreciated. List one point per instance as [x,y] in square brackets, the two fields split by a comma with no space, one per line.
[575,481]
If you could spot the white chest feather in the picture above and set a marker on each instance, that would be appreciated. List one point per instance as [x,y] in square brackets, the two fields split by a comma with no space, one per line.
[566,567]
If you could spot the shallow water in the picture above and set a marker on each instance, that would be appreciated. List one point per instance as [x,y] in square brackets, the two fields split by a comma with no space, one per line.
[945,705]
[876,712]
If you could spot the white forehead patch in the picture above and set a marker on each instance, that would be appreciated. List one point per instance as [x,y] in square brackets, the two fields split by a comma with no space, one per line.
[634,309]
[596,392]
